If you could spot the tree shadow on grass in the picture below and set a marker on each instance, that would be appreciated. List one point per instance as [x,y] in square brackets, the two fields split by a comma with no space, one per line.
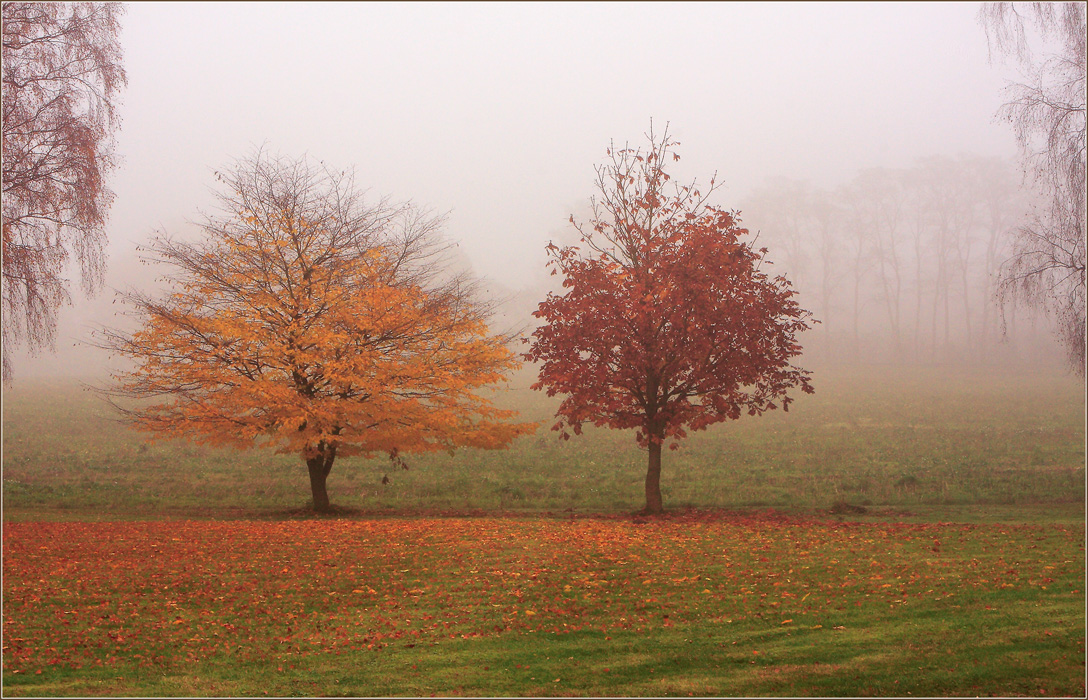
[307,512]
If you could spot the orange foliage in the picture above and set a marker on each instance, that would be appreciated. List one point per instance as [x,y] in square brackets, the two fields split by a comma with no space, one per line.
[307,330]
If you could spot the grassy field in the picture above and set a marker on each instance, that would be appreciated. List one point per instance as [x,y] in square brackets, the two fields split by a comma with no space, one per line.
[695,604]
[919,441]
[171,569]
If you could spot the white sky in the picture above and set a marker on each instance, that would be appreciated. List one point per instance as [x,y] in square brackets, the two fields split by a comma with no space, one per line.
[497,112]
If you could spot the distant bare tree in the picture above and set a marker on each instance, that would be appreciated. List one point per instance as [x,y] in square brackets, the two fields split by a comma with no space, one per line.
[938,199]
[1047,113]
[62,74]
[1000,202]
[886,192]
[860,235]
[916,218]
[799,221]
[825,223]
[783,206]
[964,221]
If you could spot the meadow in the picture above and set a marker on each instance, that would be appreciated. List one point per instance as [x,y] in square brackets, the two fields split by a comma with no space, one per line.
[912,440]
[916,532]
[757,604]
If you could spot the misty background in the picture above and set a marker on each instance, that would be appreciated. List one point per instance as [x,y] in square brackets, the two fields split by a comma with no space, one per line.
[859,140]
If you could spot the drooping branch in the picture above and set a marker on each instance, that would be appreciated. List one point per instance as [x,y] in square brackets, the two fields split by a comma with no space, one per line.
[1048,116]
[62,75]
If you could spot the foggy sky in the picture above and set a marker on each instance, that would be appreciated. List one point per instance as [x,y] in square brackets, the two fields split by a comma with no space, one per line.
[497,113]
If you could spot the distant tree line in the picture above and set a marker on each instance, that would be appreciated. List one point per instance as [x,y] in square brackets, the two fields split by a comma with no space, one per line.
[904,264]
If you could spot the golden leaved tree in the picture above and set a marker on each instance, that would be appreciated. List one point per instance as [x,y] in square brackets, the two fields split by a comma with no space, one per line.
[309,320]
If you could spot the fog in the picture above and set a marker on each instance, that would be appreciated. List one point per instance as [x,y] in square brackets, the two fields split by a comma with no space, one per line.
[497,113]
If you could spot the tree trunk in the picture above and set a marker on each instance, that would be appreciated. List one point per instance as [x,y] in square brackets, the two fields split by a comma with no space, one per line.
[319,467]
[857,309]
[653,480]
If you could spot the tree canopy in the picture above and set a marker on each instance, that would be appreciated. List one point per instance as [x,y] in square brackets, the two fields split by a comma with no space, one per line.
[309,320]
[669,322]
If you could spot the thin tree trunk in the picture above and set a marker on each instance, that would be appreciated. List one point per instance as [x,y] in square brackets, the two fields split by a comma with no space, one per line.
[972,346]
[918,300]
[947,326]
[653,479]
[857,309]
[933,318]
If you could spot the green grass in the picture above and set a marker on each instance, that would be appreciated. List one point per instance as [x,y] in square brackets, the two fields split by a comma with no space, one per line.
[920,441]
[702,604]
[169,569]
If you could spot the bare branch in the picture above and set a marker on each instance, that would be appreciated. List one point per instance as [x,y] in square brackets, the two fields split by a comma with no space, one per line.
[1047,114]
[62,74]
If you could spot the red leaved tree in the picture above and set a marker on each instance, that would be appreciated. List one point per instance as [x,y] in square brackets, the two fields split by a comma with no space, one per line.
[668,323]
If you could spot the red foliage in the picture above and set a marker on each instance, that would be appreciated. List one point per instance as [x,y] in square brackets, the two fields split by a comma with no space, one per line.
[669,324]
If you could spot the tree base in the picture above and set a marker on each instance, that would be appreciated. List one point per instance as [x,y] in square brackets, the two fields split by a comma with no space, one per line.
[307,512]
